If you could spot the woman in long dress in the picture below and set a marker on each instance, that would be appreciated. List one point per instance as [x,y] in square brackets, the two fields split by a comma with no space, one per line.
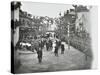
[53,45]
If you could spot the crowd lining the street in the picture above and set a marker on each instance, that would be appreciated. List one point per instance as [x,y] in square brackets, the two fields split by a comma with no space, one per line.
[51,43]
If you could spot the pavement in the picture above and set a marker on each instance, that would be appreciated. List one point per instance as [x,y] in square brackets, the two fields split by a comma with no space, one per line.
[72,59]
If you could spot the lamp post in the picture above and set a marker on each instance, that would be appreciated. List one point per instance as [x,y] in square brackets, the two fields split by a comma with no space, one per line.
[68,36]
[68,19]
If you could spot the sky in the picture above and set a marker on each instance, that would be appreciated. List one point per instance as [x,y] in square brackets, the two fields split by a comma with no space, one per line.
[45,9]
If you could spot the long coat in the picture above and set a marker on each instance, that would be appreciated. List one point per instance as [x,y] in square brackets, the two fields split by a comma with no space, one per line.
[56,49]
[39,52]
[62,47]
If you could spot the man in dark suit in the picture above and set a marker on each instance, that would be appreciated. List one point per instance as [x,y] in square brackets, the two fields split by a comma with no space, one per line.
[56,49]
[39,53]
[62,49]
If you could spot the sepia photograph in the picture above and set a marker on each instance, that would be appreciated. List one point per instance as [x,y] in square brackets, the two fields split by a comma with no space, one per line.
[48,37]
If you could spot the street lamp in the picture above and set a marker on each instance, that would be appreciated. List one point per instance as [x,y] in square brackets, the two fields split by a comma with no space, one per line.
[68,35]
[68,19]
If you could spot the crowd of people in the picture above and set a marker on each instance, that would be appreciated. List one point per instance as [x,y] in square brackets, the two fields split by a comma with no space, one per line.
[49,43]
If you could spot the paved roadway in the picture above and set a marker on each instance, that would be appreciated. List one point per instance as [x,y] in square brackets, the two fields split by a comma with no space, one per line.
[71,60]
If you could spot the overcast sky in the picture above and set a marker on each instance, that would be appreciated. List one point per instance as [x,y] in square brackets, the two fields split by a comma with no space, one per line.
[44,9]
